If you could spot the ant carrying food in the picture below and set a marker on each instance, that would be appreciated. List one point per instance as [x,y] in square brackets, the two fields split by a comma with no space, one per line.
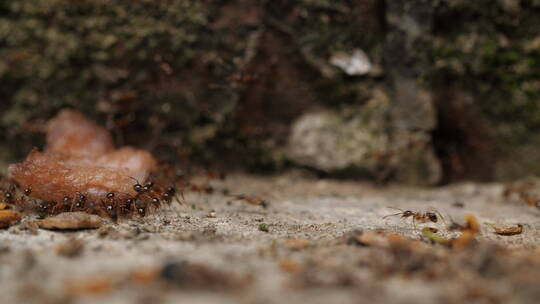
[422,217]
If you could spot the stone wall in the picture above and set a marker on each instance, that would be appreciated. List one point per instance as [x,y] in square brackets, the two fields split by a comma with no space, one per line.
[417,91]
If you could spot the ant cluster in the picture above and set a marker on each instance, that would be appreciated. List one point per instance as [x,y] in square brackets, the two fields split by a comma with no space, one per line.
[149,196]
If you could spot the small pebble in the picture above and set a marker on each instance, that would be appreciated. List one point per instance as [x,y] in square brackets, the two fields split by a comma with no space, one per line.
[30,226]
[70,248]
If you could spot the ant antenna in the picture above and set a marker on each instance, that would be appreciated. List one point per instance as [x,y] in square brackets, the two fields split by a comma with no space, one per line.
[392,215]
[401,212]
[137,187]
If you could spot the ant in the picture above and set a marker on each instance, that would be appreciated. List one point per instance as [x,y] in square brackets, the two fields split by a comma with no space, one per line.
[155,197]
[11,198]
[126,207]
[251,200]
[170,193]
[139,188]
[27,191]
[109,205]
[79,202]
[148,186]
[46,208]
[139,205]
[141,209]
[115,206]
[422,217]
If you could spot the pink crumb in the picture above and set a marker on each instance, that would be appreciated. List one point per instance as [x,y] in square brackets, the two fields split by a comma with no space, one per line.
[70,132]
[80,158]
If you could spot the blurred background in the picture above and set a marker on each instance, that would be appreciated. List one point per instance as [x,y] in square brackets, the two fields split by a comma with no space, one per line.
[410,91]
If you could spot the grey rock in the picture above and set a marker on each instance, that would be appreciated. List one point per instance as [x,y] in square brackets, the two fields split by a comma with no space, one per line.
[362,140]
[409,24]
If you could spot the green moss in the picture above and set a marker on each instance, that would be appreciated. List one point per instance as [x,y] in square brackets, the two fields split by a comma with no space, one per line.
[489,49]
[164,68]
[56,53]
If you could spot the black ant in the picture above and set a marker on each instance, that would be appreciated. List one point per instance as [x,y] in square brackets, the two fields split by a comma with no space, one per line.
[422,217]
[46,208]
[110,206]
[79,202]
[9,197]
[155,197]
[137,187]
[148,186]
[127,206]
[27,191]
[140,188]
[169,194]
[133,202]
[141,210]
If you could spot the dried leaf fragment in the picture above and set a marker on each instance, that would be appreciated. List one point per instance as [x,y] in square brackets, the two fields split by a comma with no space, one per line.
[471,229]
[472,223]
[509,230]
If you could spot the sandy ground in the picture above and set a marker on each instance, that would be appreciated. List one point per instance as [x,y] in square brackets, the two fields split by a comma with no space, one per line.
[302,248]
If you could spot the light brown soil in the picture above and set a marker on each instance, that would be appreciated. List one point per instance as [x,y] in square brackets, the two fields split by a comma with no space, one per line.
[298,250]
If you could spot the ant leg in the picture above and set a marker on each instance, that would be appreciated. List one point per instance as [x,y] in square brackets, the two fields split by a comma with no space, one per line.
[414,223]
[199,195]
[442,218]
[183,198]
[54,208]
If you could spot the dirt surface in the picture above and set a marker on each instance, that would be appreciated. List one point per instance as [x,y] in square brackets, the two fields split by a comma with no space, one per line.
[317,242]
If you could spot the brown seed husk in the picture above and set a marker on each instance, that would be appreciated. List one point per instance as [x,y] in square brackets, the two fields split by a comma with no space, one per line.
[9,218]
[71,221]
